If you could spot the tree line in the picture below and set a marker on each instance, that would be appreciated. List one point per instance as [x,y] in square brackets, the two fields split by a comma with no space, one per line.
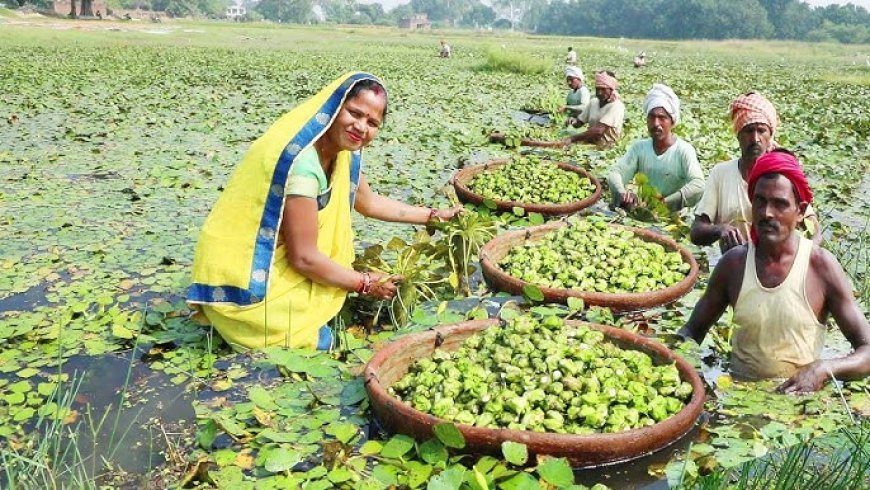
[706,19]
[648,19]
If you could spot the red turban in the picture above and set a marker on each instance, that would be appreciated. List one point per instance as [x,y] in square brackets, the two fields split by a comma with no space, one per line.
[780,162]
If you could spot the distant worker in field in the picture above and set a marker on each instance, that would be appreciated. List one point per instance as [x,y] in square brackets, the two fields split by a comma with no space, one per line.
[783,288]
[724,213]
[273,264]
[445,49]
[604,114]
[640,59]
[669,162]
[571,57]
[577,97]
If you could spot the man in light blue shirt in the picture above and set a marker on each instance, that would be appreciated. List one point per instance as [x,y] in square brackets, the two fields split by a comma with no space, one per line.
[669,162]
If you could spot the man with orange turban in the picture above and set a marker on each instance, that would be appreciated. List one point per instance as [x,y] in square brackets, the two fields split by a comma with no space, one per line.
[724,212]
[605,114]
[782,288]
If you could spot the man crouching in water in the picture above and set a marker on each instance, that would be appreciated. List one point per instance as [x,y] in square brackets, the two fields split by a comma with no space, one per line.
[782,288]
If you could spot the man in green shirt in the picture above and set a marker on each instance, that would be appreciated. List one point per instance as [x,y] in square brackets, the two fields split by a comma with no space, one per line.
[670,163]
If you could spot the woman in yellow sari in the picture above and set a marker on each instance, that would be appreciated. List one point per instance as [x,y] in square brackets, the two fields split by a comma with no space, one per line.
[273,261]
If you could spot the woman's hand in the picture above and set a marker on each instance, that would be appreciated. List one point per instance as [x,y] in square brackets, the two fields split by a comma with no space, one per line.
[384,286]
[448,214]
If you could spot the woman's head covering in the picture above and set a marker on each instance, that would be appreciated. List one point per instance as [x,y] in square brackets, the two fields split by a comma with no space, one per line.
[785,164]
[574,72]
[661,95]
[751,108]
[233,259]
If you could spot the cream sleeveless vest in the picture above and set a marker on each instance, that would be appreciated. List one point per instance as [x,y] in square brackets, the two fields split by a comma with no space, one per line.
[776,329]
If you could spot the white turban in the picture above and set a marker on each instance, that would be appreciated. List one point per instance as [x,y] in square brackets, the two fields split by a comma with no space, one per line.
[574,72]
[661,95]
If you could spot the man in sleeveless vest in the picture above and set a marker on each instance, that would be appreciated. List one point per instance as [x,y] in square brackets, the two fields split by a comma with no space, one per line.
[782,288]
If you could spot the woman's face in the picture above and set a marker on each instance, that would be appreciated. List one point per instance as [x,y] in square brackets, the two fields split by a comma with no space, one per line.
[358,121]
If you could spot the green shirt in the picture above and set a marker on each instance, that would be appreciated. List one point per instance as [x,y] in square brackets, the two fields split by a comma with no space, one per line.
[576,100]
[676,173]
[307,178]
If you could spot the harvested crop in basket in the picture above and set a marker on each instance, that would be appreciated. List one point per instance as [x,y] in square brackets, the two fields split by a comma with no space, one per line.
[592,256]
[542,375]
[529,179]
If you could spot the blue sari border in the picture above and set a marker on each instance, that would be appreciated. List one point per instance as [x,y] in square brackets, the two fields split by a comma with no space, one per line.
[264,247]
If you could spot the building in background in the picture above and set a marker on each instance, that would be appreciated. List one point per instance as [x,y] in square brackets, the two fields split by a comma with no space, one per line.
[417,21]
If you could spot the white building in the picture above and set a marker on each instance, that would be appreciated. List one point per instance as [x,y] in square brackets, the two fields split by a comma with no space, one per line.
[236,10]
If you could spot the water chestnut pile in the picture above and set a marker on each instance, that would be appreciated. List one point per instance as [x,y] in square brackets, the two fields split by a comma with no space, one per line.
[543,375]
[592,256]
[529,179]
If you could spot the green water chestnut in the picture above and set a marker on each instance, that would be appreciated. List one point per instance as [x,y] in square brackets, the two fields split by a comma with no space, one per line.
[529,179]
[573,380]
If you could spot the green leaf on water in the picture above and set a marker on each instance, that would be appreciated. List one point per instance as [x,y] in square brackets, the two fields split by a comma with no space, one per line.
[448,434]
[418,473]
[433,452]
[575,304]
[353,392]
[515,453]
[397,446]
[556,471]
[518,211]
[520,481]
[24,414]
[339,474]
[207,434]
[262,398]
[489,203]
[20,387]
[533,293]
[450,479]
[536,219]
[370,448]
[344,431]
[282,459]
[14,398]
[27,372]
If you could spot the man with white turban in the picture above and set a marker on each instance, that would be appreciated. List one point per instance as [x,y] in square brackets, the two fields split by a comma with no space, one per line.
[605,114]
[724,213]
[669,162]
[578,95]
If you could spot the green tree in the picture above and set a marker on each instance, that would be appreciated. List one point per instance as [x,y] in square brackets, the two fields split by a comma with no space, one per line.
[479,15]
[297,11]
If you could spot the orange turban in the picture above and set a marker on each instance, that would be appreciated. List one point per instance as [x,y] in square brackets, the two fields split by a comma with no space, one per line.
[753,108]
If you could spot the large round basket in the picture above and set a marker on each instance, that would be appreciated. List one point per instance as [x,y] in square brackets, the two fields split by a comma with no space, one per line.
[391,362]
[462,178]
[496,249]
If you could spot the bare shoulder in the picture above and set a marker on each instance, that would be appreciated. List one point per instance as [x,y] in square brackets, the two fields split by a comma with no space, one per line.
[728,273]
[825,266]
[733,260]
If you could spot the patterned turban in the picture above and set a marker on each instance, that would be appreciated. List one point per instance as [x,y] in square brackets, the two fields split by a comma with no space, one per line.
[753,108]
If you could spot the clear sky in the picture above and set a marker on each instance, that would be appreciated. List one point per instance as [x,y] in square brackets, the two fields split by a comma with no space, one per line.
[388,4]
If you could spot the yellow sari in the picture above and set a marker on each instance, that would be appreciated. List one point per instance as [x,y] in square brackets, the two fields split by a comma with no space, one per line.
[242,281]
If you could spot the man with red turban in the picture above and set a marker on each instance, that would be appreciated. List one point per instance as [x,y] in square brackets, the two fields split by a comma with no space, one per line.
[605,114]
[782,288]
[723,213]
